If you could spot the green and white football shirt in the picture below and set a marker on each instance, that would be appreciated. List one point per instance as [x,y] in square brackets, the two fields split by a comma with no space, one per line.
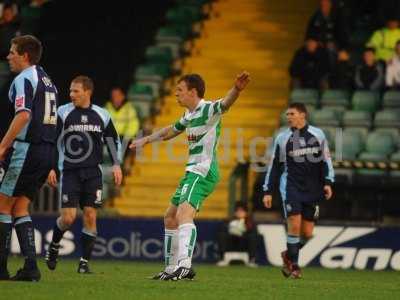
[203,126]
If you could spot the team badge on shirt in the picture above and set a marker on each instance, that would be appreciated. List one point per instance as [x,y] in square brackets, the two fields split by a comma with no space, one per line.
[84,119]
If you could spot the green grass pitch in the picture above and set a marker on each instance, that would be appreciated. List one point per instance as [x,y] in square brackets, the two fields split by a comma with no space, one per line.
[128,280]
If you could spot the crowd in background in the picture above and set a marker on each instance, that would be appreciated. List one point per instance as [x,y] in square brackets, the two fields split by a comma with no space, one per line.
[330,59]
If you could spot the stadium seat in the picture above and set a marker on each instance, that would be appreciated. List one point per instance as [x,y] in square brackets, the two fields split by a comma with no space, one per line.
[337,98]
[365,101]
[394,132]
[326,117]
[352,144]
[173,33]
[159,55]
[391,99]
[339,109]
[379,144]
[306,96]
[357,119]
[387,118]
[142,97]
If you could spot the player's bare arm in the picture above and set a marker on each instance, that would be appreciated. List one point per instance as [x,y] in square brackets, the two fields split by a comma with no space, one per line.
[163,134]
[240,84]
[18,123]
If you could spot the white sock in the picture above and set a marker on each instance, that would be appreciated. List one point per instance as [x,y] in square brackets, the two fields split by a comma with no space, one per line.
[171,246]
[187,242]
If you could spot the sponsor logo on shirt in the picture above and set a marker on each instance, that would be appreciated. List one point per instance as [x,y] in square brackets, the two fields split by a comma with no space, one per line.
[19,101]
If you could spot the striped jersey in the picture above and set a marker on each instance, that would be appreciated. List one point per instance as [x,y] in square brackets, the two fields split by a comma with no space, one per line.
[203,126]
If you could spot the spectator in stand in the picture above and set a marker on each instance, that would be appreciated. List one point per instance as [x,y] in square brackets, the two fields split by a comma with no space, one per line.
[384,40]
[342,75]
[370,74]
[9,28]
[393,70]
[239,234]
[126,121]
[310,66]
[327,25]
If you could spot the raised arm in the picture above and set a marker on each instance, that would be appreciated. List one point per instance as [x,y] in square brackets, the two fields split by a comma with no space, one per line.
[240,83]
[163,134]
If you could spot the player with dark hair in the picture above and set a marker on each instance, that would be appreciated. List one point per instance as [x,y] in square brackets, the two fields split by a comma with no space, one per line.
[30,138]
[202,123]
[82,130]
[301,168]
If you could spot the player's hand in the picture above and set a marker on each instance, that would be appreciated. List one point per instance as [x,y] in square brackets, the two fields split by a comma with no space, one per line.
[138,143]
[328,192]
[242,80]
[267,201]
[117,172]
[52,178]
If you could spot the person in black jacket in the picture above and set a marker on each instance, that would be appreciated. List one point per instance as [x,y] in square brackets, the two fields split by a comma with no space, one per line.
[342,73]
[328,26]
[309,66]
[369,75]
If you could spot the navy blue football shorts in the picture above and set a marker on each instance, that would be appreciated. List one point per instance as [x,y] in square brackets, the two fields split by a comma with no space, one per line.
[25,169]
[309,210]
[81,187]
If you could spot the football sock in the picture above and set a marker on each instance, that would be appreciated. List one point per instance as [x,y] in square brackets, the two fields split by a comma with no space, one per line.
[5,239]
[293,248]
[171,246]
[58,231]
[303,241]
[88,238]
[187,242]
[26,237]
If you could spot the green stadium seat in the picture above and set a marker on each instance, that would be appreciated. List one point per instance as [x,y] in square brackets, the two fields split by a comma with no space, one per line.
[394,132]
[184,15]
[306,96]
[142,98]
[391,99]
[395,156]
[326,117]
[339,109]
[175,48]
[337,98]
[140,91]
[159,55]
[379,143]
[365,101]
[357,119]
[387,118]
[362,131]
[352,144]
[173,33]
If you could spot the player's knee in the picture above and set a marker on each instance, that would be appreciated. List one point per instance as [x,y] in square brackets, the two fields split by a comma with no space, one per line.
[89,217]
[68,220]
[170,221]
